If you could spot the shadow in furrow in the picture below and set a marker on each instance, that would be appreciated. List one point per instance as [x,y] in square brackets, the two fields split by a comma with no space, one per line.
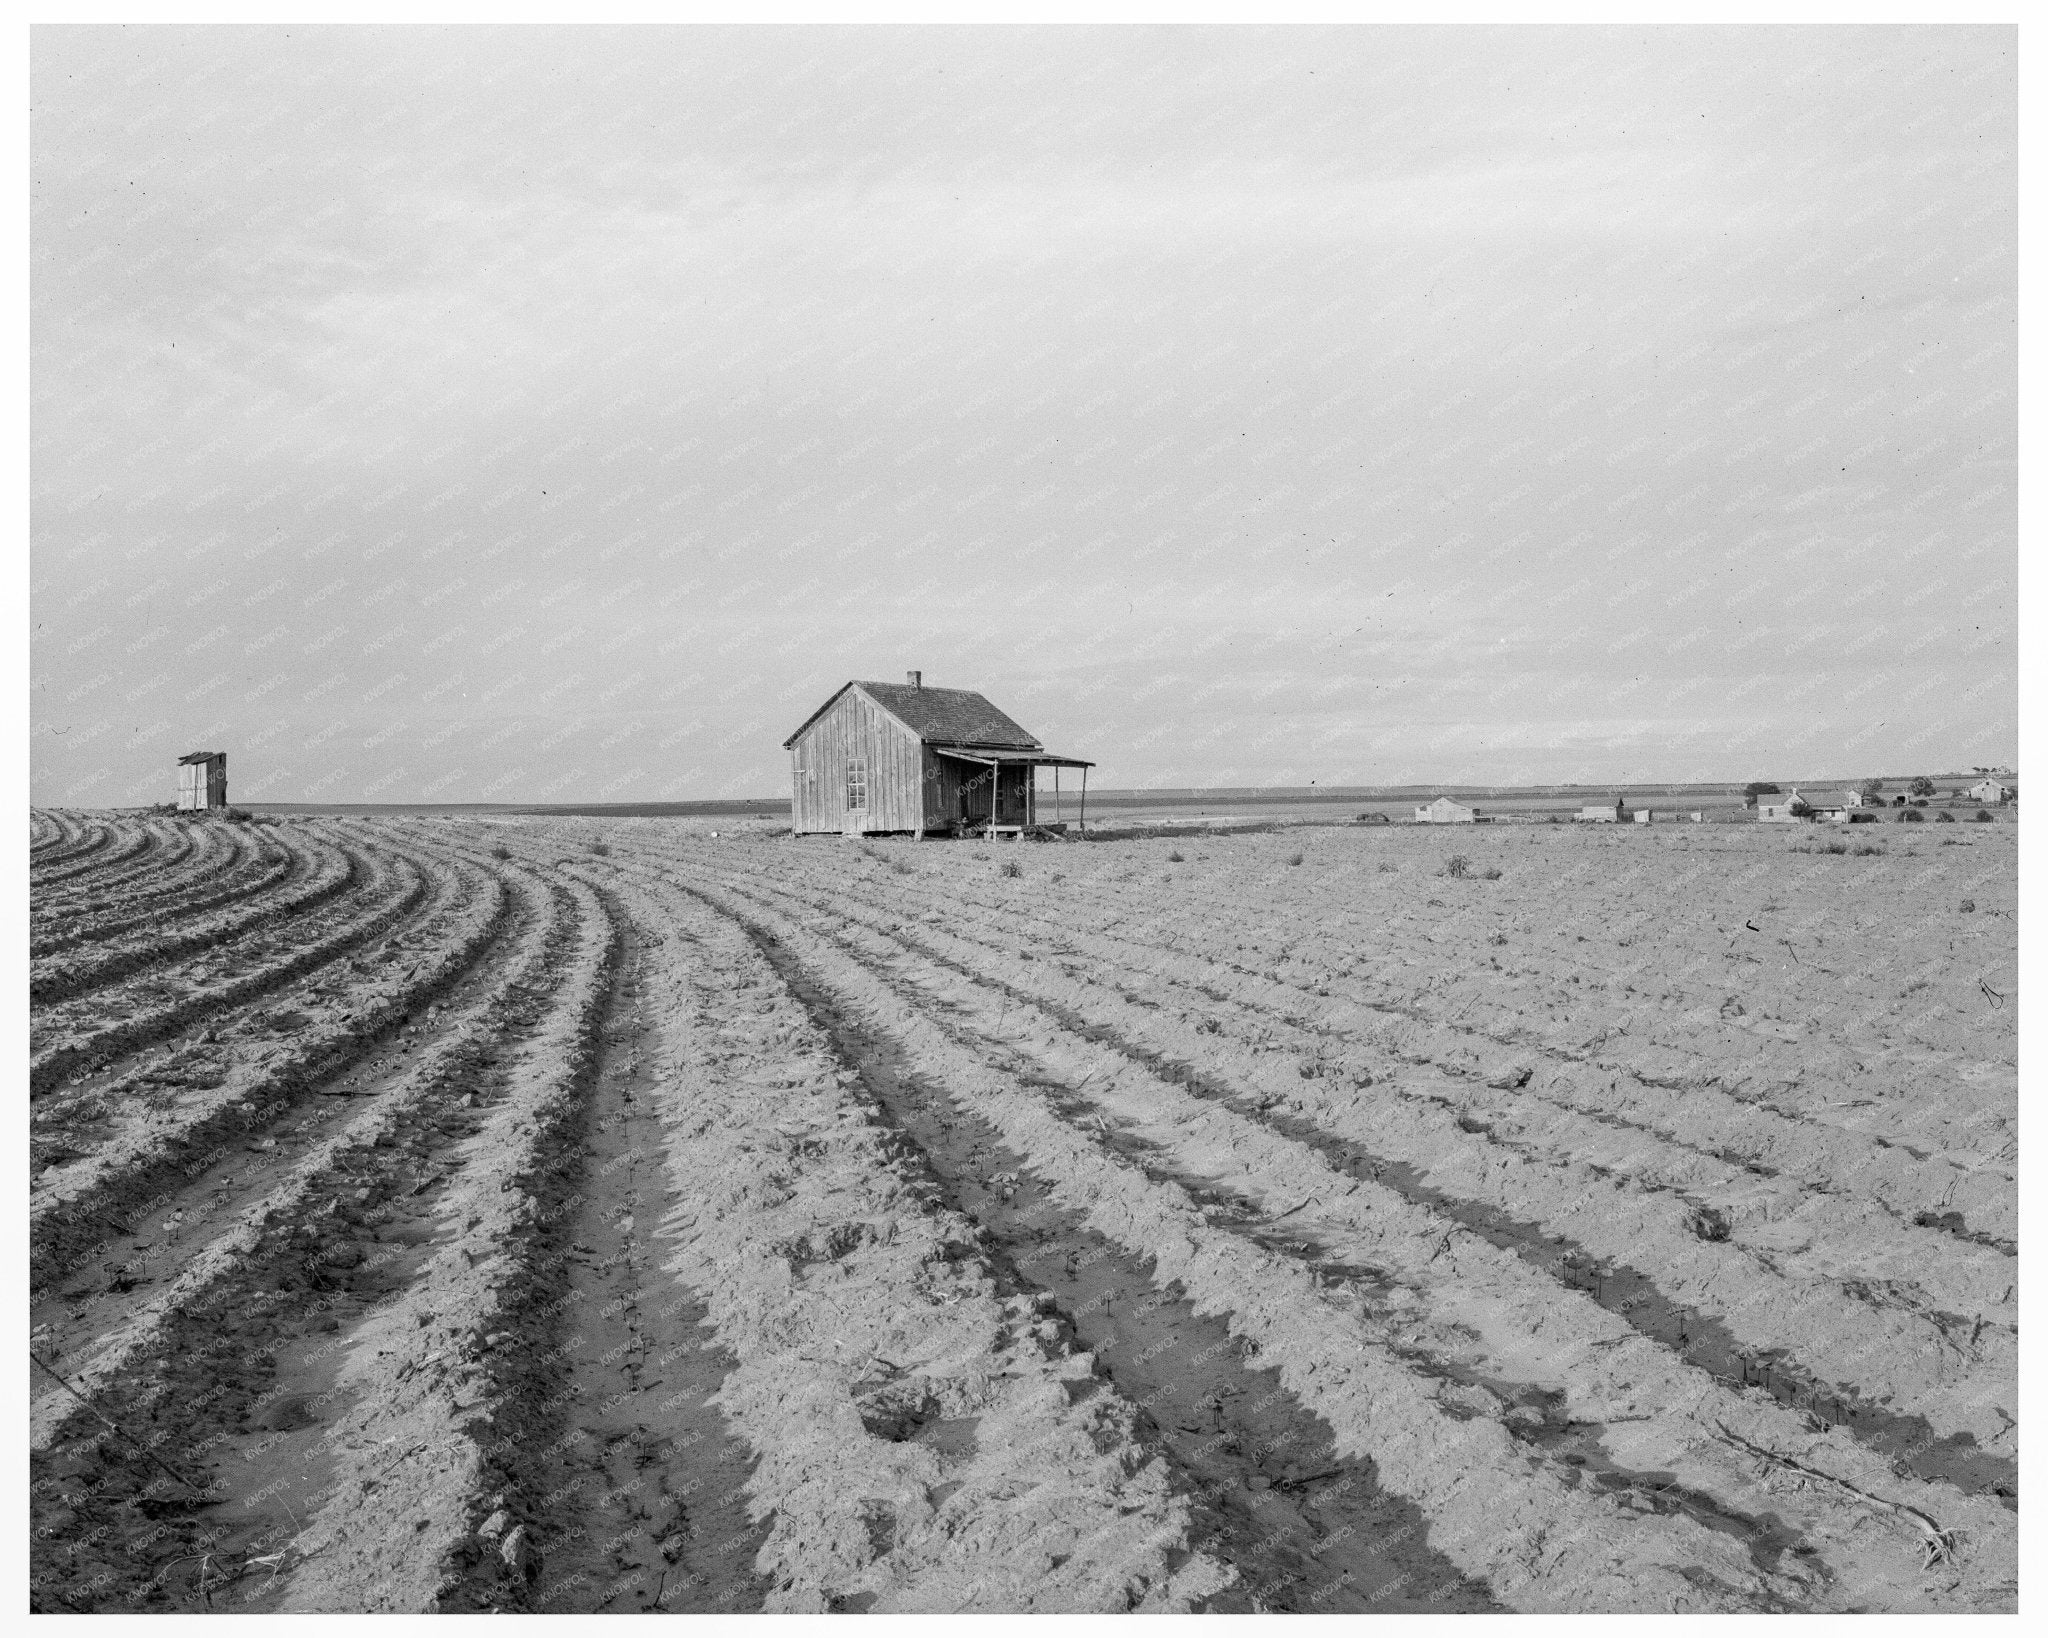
[1306,1529]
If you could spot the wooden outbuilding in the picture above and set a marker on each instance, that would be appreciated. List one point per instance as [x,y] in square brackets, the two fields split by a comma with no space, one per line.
[202,780]
[902,758]
[1603,813]
[1988,792]
[1443,811]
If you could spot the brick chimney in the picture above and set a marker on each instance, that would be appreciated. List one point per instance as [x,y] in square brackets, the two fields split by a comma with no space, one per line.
[916,678]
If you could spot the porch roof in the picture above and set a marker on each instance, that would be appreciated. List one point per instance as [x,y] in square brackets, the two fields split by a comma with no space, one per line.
[992,758]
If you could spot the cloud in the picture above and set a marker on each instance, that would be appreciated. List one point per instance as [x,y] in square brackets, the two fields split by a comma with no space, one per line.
[1373,383]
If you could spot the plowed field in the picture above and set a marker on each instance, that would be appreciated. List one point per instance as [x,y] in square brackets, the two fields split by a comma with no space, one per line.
[554,1215]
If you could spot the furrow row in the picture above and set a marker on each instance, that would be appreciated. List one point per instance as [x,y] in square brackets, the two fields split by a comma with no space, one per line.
[1301,1525]
[1535,1539]
[1745,1013]
[315,875]
[230,1376]
[89,1326]
[176,858]
[1470,1287]
[150,1143]
[1701,1136]
[1807,1151]
[438,1379]
[216,873]
[1866,1304]
[925,1441]
[83,838]
[629,1490]
[124,847]
[69,1037]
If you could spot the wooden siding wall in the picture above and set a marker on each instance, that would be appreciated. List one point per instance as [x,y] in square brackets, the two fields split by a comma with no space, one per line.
[856,727]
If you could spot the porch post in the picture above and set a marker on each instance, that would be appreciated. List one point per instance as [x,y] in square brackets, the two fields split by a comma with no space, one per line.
[1084,800]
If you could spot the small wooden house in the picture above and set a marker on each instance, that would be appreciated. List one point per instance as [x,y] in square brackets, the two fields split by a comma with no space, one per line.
[900,757]
[1988,792]
[1603,813]
[202,780]
[1443,811]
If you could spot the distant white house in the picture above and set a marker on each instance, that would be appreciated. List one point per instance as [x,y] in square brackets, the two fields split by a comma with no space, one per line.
[1789,809]
[1443,811]
[1988,791]
[1794,809]
[1644,816]
[1852,799]
[1611,813]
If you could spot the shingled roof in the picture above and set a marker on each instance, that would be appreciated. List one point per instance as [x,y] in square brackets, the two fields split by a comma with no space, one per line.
[950,716]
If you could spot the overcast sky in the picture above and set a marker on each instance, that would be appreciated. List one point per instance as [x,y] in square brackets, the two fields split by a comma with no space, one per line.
[562,415]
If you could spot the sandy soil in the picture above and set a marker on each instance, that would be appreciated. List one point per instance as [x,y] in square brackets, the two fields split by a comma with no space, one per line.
[542,1213]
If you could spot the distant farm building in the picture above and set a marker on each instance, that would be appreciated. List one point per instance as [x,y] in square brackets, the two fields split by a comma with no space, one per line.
[1443,811]
[1988,792]
[1604,813]
[202,780]
[1794,809]
[900,757]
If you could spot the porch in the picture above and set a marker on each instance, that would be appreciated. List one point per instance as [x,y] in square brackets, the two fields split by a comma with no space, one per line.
[994,793]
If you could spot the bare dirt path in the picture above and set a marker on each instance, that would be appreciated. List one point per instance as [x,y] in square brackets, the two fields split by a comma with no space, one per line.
[644,1484]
